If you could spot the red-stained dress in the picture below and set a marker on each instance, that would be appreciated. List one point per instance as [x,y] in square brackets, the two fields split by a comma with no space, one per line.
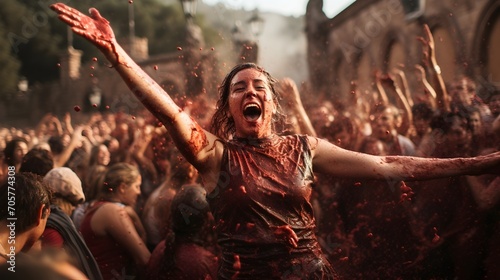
[265,186]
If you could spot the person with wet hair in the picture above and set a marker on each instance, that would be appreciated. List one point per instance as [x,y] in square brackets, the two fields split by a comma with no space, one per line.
[182,255]
[264,220]
[156,212]
[111,227]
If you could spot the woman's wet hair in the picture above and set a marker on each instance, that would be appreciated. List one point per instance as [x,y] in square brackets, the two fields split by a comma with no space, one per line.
[222,124]
[189,210]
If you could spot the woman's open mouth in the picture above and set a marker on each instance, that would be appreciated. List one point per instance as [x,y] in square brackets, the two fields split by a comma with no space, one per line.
[252,112]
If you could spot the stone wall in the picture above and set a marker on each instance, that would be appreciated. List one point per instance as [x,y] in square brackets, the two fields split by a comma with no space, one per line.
[376,35]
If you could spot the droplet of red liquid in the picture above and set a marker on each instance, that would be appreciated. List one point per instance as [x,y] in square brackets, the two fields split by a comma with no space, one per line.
[92,67]
[94,105]
[436,238]
[91,75]
[133,117]
[107,107]
[212,48]
[243,189]
[236,264]
[58,64]
[179,48]
[77,108]
[94,59]
[155,67]
[404,187]
[357,184]
[130,1]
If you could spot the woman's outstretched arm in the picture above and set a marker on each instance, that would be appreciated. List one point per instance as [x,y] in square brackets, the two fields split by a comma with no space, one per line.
[328,158]
[196,144]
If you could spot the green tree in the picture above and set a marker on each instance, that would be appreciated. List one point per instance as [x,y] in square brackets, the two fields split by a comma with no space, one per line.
[33,37]
[29,39]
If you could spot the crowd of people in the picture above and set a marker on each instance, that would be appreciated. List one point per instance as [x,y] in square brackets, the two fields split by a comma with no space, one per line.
[405,182]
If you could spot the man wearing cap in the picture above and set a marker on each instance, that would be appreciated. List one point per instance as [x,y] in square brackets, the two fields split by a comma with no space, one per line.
[60,231]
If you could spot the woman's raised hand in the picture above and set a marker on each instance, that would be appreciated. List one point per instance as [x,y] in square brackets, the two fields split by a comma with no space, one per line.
[95,28]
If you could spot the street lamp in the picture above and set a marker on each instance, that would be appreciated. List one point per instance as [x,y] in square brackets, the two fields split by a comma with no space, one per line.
[193,56]
[247,43]
[22,85]
[256,24]
[237,32]
[189,8]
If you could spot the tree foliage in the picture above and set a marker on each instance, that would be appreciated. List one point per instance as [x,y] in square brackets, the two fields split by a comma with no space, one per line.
[32,38]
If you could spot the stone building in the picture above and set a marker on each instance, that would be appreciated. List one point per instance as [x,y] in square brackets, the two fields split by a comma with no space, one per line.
[382,34]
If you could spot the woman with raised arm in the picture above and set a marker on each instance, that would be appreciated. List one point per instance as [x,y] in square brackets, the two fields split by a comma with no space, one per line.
[264,218]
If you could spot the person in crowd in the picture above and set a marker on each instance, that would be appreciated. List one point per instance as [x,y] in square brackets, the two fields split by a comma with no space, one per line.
[265,223]
[47,127]
[13,156]
[182,254]
[99,157]
[493,101]
[486,193]
[92,191]
[385,122]
[446,219]
[110,226]
[19,257]
[422,116]
[60,231]
[156,212]
[37,161]
[32,208]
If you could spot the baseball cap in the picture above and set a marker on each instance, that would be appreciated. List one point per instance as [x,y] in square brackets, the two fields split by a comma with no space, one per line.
[66,184]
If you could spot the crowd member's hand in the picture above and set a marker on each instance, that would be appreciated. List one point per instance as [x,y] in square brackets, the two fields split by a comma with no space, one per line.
[95,28]
[403,83]
[67,123]
[289,92]
[429,47]
[291,95]
[89,134]
[430,93]
[430,61]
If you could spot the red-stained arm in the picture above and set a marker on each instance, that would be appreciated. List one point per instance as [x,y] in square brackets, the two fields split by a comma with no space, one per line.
[328,158]
[198,146]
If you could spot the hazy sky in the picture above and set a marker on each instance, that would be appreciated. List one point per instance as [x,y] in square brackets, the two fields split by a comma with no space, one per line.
[286,7]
